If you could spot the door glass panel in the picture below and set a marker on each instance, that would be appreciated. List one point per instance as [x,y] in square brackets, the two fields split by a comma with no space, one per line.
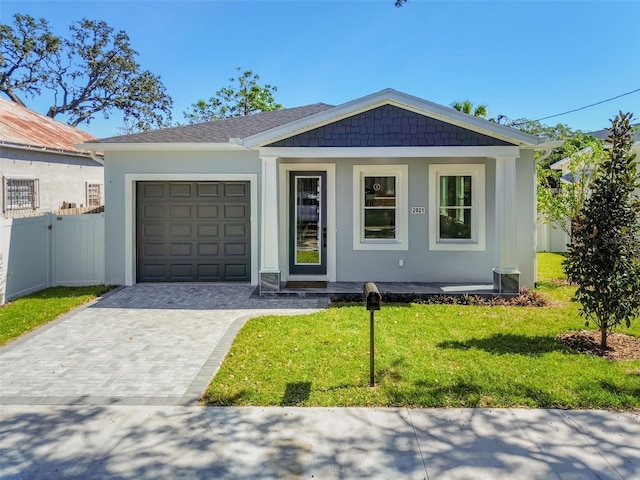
[307,221]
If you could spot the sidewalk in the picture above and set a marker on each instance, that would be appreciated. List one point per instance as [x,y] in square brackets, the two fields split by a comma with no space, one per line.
[174,442]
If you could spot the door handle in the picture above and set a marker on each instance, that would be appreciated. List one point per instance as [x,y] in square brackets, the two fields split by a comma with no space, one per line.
[324,237]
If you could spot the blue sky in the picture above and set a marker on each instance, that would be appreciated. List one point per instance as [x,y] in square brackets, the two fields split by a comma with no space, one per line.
[521,58]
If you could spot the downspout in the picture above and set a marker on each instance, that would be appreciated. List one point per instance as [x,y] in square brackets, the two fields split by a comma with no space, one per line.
[94,157]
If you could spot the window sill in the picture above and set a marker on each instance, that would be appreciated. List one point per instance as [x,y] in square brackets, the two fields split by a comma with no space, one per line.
[380,245]
[457,246]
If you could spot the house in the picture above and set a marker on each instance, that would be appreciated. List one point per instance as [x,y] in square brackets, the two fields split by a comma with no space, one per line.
[550,237]
[42,170]
[388,187]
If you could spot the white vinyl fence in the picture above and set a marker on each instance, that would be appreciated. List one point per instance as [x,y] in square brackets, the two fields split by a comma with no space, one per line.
[50,250]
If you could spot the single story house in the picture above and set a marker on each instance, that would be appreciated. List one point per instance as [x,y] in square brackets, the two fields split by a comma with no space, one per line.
[42,170]
[388,187]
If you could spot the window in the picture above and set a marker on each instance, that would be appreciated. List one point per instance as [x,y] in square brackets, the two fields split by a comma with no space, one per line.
[457,211]
[94,195]
[21,194]
[380,207]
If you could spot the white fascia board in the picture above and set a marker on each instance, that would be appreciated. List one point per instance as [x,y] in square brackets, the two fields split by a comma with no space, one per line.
[156,147]
[398,99]
[390,152]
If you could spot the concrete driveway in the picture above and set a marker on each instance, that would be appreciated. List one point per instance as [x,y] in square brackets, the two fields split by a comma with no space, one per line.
[140,345]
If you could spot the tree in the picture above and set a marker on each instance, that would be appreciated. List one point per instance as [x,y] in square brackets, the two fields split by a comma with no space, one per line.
[235,101]
[604,258]
[93,70]
[560,201]
[467,107]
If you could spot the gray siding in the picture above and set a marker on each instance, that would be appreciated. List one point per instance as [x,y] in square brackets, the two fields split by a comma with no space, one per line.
[389,126]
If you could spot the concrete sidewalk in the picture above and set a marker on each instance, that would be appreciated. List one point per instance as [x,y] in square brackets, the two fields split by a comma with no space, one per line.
[165,442]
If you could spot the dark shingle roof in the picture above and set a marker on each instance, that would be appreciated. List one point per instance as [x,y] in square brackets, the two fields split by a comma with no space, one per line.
[604,134]
[220,131]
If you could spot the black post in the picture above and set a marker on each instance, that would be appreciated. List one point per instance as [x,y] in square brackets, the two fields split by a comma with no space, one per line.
[371,380]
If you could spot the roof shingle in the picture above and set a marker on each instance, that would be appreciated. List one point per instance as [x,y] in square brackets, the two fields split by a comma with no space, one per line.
[220,131]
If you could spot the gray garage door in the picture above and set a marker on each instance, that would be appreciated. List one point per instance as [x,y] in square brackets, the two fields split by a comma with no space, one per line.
[193,232]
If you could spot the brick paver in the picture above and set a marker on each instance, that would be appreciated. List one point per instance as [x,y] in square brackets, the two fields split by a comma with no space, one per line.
[142,345]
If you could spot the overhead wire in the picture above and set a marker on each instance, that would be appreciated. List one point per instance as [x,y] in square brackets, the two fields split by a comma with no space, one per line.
[576,109]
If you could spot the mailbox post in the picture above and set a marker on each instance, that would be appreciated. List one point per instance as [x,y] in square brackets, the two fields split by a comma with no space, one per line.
[372,299]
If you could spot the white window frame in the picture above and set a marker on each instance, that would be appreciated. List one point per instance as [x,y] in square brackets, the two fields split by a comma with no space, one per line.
[35,188]
[478,207]
[401,174]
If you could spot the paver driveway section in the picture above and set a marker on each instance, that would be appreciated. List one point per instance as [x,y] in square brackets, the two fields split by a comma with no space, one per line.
[141,345]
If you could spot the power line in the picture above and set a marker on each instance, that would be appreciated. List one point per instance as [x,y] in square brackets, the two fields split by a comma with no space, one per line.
[578,109]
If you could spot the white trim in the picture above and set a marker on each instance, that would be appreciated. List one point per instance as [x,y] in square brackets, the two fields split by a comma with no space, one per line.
[478,207]
[130,180]
[398,99]
[284,169]
[401,172]
[390,152]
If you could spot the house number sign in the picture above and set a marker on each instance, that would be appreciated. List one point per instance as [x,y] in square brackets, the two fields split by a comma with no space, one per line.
[418,210]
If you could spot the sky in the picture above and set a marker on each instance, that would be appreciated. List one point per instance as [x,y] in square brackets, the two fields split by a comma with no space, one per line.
[521,58]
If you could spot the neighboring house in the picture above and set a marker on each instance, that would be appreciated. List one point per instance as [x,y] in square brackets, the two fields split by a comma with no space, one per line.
[42,170]
[388,187]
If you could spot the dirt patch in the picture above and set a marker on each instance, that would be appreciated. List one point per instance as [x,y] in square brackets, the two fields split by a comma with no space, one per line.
[620,346]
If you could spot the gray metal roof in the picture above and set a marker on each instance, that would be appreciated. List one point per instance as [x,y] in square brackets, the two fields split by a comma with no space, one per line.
[220,131]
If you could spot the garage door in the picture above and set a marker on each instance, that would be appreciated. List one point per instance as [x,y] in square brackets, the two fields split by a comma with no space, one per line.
[193,231]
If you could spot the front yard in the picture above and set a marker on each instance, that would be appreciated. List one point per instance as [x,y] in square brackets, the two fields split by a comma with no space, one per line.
[27,313]
[428,356]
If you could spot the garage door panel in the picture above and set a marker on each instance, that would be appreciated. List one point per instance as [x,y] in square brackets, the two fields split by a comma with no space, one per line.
[235,211]
[153,230]
[153,272]
[184,233]
[181,271]
[232,249]
[179,211]
[207,230]
[235,190]
[181,230]
[208,249]
[209,272]
[181,190]
[181,249]
[208,189]
[235,230]
[151,190]
[154,249]
[153,212]
[235,271]
[208,211]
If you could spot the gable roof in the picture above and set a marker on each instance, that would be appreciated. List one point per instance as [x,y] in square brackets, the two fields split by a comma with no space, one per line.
[268,128]
[604,133]
[24,128]
[404,101]
[223,130]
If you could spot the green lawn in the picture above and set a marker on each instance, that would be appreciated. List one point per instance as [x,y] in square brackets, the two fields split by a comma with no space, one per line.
[427,356]
[26,313]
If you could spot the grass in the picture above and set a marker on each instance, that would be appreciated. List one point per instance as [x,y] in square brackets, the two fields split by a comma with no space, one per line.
[27,313]
[427,356]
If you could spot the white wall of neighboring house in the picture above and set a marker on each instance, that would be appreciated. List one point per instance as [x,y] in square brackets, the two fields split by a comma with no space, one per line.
[60,177]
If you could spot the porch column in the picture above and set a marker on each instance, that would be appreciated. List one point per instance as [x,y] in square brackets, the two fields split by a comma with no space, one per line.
[269,242]
[506,275]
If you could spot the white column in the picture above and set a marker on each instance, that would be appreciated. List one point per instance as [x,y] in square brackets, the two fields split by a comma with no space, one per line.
[269,242]
[506,272]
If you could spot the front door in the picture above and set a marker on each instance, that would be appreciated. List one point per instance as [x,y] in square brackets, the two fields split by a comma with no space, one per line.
[307,223]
